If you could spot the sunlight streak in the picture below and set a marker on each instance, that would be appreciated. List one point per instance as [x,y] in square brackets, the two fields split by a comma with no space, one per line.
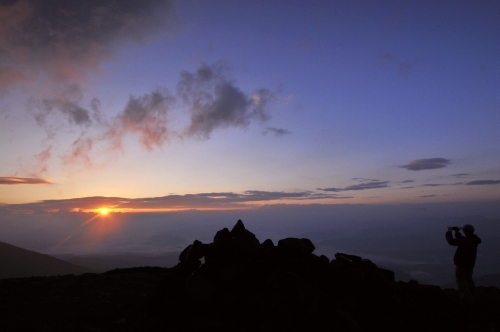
[86,222]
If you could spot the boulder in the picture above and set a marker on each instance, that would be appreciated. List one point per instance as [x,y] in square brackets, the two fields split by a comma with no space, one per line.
[296,247]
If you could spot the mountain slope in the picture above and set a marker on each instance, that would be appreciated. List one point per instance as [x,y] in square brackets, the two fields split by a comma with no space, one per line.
[106,262]
[16,262]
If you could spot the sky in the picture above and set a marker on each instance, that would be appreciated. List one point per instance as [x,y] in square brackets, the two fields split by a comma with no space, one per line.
[158,106]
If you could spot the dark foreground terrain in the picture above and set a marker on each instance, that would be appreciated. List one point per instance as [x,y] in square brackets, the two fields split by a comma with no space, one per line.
[243,285]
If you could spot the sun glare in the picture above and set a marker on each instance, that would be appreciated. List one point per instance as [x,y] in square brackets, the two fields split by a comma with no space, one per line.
[104,212]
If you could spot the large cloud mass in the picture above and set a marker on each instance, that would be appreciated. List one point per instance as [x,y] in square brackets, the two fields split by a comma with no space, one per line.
[63,39]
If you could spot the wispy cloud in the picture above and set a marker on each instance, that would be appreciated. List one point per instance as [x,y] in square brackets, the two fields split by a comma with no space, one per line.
[482,182]
[424,164]
[278,132]
[403,67]
[427,196]
[11,180]
[80,153]
[41,160]
[375,184]
[461,175]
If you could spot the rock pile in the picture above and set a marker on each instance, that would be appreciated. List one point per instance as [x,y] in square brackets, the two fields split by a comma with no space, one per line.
[245,285]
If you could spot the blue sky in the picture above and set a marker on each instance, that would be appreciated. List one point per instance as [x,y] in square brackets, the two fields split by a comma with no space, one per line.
[231,104]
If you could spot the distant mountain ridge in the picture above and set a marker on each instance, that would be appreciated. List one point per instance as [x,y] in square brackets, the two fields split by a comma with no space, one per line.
[105,262]
[17,262]
[489,280]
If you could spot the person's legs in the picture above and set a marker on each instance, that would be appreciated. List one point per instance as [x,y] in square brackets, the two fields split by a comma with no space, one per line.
[461,283]
[466,286]
[471,286]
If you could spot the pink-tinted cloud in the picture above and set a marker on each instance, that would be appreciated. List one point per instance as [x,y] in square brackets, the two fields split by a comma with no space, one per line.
[41,159]
[12,180]
[10,76]
[80,153]
[146,116]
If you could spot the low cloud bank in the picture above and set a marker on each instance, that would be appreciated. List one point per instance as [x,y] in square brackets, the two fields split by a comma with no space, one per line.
[12,180]
[425,164]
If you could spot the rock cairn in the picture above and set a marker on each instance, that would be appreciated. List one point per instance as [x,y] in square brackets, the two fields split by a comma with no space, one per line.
[246,285]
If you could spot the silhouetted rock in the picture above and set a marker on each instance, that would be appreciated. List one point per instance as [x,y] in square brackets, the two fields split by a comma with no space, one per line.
[238,228]
[222,237]
[296,247]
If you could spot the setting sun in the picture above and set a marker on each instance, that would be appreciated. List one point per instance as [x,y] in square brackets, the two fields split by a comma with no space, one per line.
[104,212]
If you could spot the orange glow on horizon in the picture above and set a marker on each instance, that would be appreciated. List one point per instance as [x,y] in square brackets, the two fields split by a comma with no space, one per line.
[100,211]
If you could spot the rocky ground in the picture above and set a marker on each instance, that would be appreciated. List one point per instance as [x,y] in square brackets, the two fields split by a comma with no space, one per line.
[243,285]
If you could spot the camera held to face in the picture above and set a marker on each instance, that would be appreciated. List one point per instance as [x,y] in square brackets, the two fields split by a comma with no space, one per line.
[454,228]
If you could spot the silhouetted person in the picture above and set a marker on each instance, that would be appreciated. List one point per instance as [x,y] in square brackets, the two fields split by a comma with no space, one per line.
[465,258]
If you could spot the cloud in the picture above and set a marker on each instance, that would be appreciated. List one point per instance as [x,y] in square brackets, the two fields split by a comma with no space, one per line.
[433,185]
[427,196]
[408,181]
[63,40]
[278,132]
[362,186]
[423,164]
[215,102]
[146,116]
[66,102]
[10,76]
[41,159]
[11,180]
[80,153]
[460,175]
[404,68]
[212,200]
[482,182]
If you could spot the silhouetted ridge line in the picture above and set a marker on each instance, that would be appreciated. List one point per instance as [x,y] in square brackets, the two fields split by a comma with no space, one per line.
[17,262]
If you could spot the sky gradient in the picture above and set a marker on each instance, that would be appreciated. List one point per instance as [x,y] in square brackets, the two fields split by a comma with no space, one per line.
[165,105]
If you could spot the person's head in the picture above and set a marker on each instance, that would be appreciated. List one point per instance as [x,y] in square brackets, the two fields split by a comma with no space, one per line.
[468,229]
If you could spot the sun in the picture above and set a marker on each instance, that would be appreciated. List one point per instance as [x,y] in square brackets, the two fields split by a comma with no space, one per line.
[104,212]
